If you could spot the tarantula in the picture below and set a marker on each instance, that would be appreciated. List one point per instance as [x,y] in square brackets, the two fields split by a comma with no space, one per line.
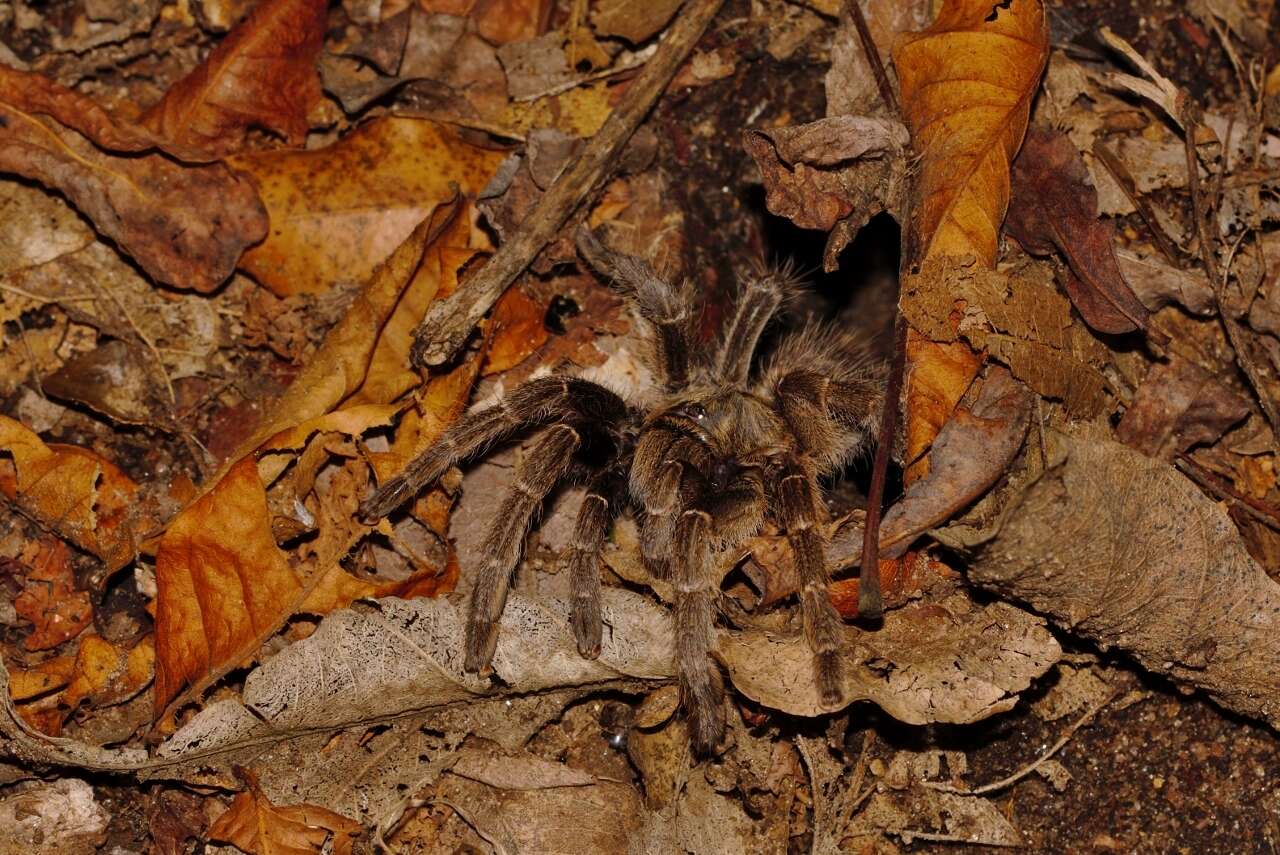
[727,446]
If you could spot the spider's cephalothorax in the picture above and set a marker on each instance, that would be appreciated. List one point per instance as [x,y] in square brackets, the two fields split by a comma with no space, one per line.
[727,446]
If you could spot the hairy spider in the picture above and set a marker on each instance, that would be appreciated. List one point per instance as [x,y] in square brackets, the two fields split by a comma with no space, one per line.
[724,449]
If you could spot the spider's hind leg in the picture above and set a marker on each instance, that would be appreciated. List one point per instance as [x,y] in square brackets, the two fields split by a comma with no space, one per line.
[605,497]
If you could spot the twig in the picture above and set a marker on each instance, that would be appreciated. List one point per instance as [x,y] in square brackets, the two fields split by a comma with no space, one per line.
[1202,476]
[870,602]
[1218,281]
[636,62]
[1031,767]
[853,9]
[449,322]
[908,835]
[1124,178]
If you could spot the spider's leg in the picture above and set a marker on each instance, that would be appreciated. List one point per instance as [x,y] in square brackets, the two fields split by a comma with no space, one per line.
[548,461]
[604,500]
[668,308]
[797,500]
[762,293]
[536,403]
[720,514]
[666,476]
[828,416]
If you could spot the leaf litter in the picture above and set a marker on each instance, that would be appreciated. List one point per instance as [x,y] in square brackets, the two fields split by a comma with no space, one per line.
[212,274]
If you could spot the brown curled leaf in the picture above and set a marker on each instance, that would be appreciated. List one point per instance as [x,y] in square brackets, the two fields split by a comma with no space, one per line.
[1124,550]
[253,824]
[970,453]
[185,226]
[262,74]
[1179,405]
[1055,206]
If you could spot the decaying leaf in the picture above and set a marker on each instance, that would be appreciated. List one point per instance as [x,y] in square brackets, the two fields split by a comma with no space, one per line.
[367,663]
[50,600]
[948,662]
[338,212]
[927,812]
[61,816]
[262,74]
[1124,550]
[966,85]
[74,492]
[256,826]
[839,171]
[1179,405]
[1054,206]
[634,22]
[1019,319]
[1157,284]
[602,817]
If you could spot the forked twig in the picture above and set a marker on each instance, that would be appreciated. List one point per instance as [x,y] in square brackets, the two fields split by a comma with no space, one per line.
[449,322]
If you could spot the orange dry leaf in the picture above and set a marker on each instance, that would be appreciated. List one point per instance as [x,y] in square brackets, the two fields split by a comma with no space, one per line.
[100,673]
[338,212]
[49,599]
[498,21]
[256,826]
[221,582]
[967,82]
[518,329]
[74,492]
[262,74]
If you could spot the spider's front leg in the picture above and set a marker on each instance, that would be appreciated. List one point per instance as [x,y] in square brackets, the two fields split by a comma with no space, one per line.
[797,498]
[547,463]
[720,516]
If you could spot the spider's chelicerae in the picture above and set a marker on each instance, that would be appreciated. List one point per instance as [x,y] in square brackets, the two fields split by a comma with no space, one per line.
[729,445]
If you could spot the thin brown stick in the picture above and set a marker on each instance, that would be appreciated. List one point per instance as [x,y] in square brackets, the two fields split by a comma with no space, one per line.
[449,322]
[1235,334]
[1032,766]
[1268,515]
[1124,178]
[853,9]
[870,603]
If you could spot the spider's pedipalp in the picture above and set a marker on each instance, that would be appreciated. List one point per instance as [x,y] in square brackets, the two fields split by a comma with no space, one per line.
[548,462]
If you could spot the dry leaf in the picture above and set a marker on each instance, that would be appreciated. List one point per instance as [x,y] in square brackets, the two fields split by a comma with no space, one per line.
[74,492]
[338,212]
[634,22]
[966,85]
[439,60]
[185,226]
[256,826]
[1179,405]
[967,82]
[1055,206]
[221,583]
[261,75]
[49,598]
[1123,550]
[972,450]
[948,662]
[839,171]
[1157,284]
[518,331]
